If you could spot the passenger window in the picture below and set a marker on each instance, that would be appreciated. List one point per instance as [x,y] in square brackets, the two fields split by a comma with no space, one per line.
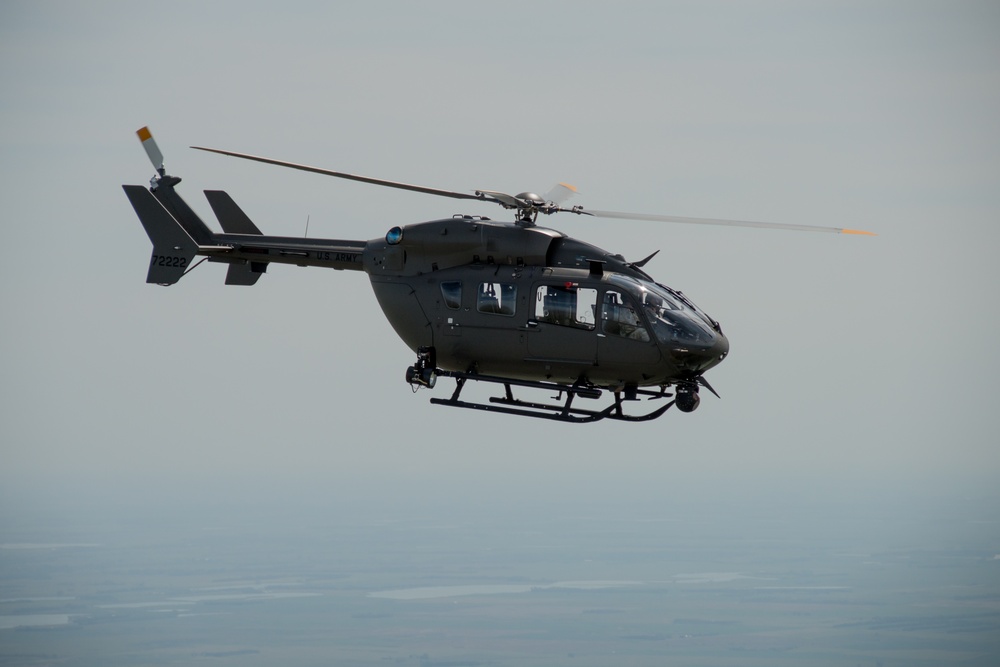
[498,298]
[619,318]
[566,305]
[452,294]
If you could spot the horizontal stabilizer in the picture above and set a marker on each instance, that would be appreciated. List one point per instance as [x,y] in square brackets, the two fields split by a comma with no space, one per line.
[173,248]
[230,215]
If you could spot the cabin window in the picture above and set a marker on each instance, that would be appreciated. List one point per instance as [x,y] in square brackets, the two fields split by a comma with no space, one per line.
[452,294]
[497,298]
[566,305]
[620,318]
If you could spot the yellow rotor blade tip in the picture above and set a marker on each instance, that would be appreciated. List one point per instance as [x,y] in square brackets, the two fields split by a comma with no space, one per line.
[857,231]
[144,134]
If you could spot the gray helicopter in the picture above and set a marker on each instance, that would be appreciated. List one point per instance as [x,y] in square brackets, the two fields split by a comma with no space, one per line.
[507,303]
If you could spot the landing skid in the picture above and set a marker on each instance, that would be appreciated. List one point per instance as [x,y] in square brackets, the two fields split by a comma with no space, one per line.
[564,412]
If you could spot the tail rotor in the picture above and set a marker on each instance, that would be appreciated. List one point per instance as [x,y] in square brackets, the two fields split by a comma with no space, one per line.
[152,150]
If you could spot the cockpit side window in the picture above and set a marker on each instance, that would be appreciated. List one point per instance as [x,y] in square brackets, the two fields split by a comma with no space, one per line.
[620,318]
[673,323]
[451,292]
[497,298]
[566,305]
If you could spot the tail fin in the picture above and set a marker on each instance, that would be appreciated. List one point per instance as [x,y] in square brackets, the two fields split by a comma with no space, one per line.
[173,247]
[235,221]
[230,215]
[179,210]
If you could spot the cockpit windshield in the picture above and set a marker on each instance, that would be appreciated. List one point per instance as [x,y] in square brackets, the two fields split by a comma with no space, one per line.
[673,318]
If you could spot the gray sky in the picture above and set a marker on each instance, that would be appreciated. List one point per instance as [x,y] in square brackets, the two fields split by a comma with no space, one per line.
[856,362]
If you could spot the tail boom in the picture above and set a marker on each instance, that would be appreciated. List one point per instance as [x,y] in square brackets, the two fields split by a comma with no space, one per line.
[178,234]
[176,242]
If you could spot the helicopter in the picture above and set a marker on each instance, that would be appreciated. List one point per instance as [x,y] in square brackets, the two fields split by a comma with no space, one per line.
[512,303]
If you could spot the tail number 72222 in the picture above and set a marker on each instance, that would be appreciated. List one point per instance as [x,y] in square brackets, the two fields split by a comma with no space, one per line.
[167,260]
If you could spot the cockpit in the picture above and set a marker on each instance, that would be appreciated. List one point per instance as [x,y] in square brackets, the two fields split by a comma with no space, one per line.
[674,319]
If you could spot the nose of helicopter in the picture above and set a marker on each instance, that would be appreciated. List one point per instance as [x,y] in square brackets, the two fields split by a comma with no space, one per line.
[721,348]
[700,359]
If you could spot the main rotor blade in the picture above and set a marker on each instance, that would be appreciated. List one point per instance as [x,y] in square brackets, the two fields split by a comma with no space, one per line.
[559,193]
[505,200]
[716,221]
[351,177]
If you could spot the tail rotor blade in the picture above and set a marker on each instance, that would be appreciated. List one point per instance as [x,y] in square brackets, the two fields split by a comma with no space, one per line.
[152,150]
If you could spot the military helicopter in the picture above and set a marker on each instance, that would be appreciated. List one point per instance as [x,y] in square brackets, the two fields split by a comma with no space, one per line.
[506,303]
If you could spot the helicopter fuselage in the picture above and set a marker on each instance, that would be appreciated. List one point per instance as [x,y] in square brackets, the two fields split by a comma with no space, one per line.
[531,303]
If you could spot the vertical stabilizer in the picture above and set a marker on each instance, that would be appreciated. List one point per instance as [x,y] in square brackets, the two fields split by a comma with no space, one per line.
[230,215]
[173,247]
